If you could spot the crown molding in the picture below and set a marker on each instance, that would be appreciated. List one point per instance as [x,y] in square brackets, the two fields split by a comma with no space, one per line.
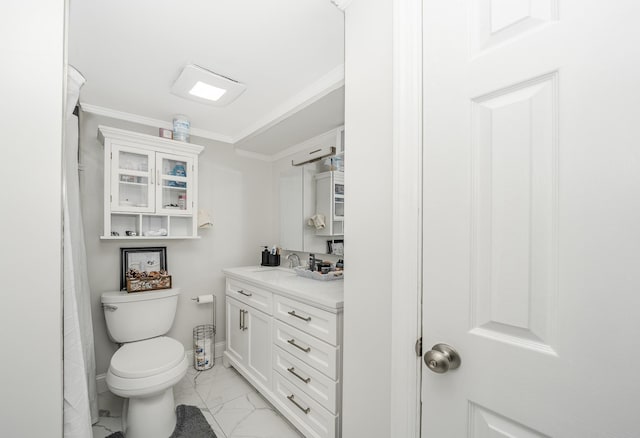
[341,4]
[316,91]
[148,121]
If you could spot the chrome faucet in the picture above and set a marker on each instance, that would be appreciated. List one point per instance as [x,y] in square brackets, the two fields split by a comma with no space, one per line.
[294,260]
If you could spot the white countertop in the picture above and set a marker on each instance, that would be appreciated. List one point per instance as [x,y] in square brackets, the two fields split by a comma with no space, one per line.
[328,295]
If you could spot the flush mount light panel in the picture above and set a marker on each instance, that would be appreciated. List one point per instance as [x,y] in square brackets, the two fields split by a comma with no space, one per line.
[201,85]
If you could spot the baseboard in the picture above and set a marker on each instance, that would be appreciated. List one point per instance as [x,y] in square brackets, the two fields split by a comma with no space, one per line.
[101,382]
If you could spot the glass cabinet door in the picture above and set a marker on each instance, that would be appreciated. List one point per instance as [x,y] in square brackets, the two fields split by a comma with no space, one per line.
[132,180]
[175,184]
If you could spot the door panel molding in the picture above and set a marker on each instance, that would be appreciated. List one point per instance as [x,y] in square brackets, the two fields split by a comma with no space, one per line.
[514,211]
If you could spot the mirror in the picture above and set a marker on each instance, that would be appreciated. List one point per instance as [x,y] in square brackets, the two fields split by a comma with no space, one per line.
[313,191]
[291,188]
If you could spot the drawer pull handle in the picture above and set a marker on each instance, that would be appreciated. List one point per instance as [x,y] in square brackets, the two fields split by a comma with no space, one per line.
[293,313]
[292,370]
[293,342]
[244,293]
[305,410]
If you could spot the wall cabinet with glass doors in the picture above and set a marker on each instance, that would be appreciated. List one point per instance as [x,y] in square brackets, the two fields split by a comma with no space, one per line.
[150,186]
[330,202]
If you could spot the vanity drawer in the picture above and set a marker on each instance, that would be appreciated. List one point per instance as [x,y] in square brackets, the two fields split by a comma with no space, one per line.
[321,422]
[310,350]
[250,295]
[317,322]
[314,383]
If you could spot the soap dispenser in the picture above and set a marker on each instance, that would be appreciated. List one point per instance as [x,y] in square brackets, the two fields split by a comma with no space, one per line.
[312,262]
[265,256]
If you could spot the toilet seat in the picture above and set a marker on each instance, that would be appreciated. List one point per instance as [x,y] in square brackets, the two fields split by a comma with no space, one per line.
[145,368]
[147,358]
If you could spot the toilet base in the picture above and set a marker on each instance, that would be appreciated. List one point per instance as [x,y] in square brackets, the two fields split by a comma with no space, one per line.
[144,417]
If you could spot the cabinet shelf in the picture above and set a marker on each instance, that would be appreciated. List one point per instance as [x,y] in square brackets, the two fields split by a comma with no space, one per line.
[174,178]
[133,172]
[132,183]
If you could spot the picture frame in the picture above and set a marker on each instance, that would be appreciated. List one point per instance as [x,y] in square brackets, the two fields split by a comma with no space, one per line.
[335,247]
[143,259]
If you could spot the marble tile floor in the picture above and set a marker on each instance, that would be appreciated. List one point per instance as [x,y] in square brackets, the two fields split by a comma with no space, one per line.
[233,407]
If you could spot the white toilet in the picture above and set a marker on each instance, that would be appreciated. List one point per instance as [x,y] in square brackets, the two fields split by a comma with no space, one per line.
[147,365]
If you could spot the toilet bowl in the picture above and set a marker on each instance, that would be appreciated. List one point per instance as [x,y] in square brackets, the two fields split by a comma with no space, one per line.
[144,372]
[147,365]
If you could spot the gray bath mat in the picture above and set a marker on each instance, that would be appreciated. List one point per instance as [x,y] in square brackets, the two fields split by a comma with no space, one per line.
[191,424]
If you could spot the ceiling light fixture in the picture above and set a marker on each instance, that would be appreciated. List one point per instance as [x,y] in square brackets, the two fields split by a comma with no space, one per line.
[204,86]
[206,91]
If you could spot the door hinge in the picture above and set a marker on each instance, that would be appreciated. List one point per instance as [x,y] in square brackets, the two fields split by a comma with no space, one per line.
[418,347]
[110,198]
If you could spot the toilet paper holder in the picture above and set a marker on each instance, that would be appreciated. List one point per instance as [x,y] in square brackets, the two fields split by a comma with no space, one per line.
[204,337]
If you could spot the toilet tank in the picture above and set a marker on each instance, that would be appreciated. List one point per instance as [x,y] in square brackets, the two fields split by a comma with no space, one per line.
[139,315]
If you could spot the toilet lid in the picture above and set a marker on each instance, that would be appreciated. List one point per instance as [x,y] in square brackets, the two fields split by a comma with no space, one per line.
[147,358]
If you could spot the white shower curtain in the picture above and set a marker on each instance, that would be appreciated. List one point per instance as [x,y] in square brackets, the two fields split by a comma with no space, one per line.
[80,395]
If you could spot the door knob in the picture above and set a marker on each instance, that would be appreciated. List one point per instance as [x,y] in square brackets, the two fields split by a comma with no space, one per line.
[442,358]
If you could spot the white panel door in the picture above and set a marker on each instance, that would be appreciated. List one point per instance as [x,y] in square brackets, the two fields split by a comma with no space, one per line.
[259,346]
[237,342]
[531,229]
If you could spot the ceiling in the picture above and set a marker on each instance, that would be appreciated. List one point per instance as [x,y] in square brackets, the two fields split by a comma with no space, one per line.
[289,54]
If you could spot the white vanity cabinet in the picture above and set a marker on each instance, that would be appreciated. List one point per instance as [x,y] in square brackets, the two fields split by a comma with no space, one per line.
[150,184]
[300,334]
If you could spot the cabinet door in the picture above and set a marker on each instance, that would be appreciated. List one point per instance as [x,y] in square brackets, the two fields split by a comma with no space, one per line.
[132,172]
[236,336]
[174,183]
[259,348]
[338,196]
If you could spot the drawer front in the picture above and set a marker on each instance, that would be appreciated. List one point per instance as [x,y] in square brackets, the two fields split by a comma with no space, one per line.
[250,295]
[310,350]
[321,422]
[321,388]
[309,319]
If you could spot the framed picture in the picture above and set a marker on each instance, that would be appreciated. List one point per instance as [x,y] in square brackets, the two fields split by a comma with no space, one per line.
[335,247]
[141,259]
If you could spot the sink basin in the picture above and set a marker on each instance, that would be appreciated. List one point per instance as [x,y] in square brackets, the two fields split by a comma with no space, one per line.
[271,273]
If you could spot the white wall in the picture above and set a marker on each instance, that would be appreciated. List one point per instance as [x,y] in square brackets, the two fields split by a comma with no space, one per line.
[368,190]
[31,114]
[236,190]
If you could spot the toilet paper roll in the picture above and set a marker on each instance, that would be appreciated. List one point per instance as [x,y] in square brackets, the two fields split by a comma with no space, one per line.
[202,299]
